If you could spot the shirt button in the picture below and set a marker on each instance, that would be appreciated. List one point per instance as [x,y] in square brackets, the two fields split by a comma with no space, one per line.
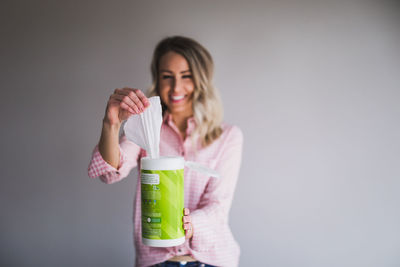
[179,250]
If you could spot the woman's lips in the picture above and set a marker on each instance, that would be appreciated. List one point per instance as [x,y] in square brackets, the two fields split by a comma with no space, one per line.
[176,98]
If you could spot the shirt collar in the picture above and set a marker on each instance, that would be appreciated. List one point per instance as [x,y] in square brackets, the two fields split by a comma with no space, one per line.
[191,123]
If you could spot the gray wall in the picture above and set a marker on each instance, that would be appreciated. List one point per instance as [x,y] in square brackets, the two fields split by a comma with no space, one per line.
[314,85]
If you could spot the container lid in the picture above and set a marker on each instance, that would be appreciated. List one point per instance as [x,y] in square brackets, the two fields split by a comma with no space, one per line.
[162,163]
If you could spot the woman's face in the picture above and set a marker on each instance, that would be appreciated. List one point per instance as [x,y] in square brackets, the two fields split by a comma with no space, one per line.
[176,84]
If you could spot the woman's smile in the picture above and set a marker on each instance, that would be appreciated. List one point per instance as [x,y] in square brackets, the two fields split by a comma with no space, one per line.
[177,98]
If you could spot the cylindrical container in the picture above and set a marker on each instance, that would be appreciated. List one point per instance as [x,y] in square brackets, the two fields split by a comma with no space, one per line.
[162,201]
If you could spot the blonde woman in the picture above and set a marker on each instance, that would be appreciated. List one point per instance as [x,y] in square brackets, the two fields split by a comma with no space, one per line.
[182,72]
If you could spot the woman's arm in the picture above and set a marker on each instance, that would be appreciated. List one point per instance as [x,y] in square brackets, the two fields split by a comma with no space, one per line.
[109,144]
[120,106]
[128,156]
[109,156]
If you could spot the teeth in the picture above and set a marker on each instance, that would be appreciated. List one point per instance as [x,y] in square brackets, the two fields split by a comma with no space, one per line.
[177,97]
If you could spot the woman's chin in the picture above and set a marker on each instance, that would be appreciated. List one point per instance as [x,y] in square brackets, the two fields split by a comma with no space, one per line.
[177,109]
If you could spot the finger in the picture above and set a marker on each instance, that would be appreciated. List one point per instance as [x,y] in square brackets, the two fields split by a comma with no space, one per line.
[116,102]
[126,90]
[132,108]
[113,101]
[132,95]
[122,91]
[128,102]
[188,231]
[186,211]
[142,98]
[126,107]
[186,226]
[187,219]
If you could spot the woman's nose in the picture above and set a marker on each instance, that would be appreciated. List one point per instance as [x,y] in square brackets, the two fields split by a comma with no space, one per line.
[177,86]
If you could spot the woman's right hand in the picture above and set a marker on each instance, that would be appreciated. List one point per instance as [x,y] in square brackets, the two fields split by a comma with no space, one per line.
[123,103]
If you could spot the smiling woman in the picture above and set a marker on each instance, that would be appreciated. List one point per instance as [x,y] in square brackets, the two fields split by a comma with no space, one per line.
[192,128]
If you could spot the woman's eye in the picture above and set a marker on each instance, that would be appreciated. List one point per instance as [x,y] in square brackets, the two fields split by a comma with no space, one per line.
[187,76]
[166,77]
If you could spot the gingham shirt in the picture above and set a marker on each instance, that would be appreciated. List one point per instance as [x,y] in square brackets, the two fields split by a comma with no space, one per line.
[208,199]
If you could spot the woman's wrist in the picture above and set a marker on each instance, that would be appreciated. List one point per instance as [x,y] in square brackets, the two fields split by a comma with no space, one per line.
[111,127]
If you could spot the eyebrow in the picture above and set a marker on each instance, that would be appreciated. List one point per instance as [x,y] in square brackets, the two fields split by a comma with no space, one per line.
[171,71]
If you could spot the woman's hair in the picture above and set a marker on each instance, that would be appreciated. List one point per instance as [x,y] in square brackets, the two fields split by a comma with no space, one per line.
[207,107]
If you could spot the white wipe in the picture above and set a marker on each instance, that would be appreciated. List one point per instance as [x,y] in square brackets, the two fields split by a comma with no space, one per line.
[145,129]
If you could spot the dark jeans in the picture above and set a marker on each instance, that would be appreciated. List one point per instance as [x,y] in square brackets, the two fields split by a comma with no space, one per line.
[179,264]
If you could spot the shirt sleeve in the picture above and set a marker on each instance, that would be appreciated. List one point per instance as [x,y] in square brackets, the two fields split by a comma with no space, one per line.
[212,216]
[129,154]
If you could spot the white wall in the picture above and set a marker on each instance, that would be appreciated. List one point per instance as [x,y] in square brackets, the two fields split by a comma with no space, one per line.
[314,85]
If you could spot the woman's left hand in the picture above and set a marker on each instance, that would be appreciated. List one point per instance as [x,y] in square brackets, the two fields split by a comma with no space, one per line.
[187,223]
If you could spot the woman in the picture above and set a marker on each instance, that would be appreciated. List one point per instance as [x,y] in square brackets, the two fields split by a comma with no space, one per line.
[192,127]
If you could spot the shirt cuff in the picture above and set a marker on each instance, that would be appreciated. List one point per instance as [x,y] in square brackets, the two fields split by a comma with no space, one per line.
[98,166]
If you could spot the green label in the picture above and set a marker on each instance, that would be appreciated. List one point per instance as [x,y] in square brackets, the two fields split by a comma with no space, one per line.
[162,204]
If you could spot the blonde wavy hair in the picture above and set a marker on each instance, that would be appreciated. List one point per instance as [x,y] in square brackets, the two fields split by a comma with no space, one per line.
[207,106]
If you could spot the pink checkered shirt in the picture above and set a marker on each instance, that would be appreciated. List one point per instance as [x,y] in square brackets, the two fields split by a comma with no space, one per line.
[208,199]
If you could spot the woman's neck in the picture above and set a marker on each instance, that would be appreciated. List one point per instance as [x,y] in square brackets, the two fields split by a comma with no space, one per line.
[180,121]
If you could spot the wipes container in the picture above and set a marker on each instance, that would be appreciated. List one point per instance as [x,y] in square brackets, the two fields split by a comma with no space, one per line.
[162,201]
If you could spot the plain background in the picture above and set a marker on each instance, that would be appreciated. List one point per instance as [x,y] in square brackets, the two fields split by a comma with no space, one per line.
[314,86]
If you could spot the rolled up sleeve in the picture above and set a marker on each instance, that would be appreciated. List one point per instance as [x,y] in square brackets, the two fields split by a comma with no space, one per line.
[98,167]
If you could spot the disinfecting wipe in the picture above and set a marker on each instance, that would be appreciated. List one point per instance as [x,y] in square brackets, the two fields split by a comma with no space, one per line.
[144,129]
[162,180]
